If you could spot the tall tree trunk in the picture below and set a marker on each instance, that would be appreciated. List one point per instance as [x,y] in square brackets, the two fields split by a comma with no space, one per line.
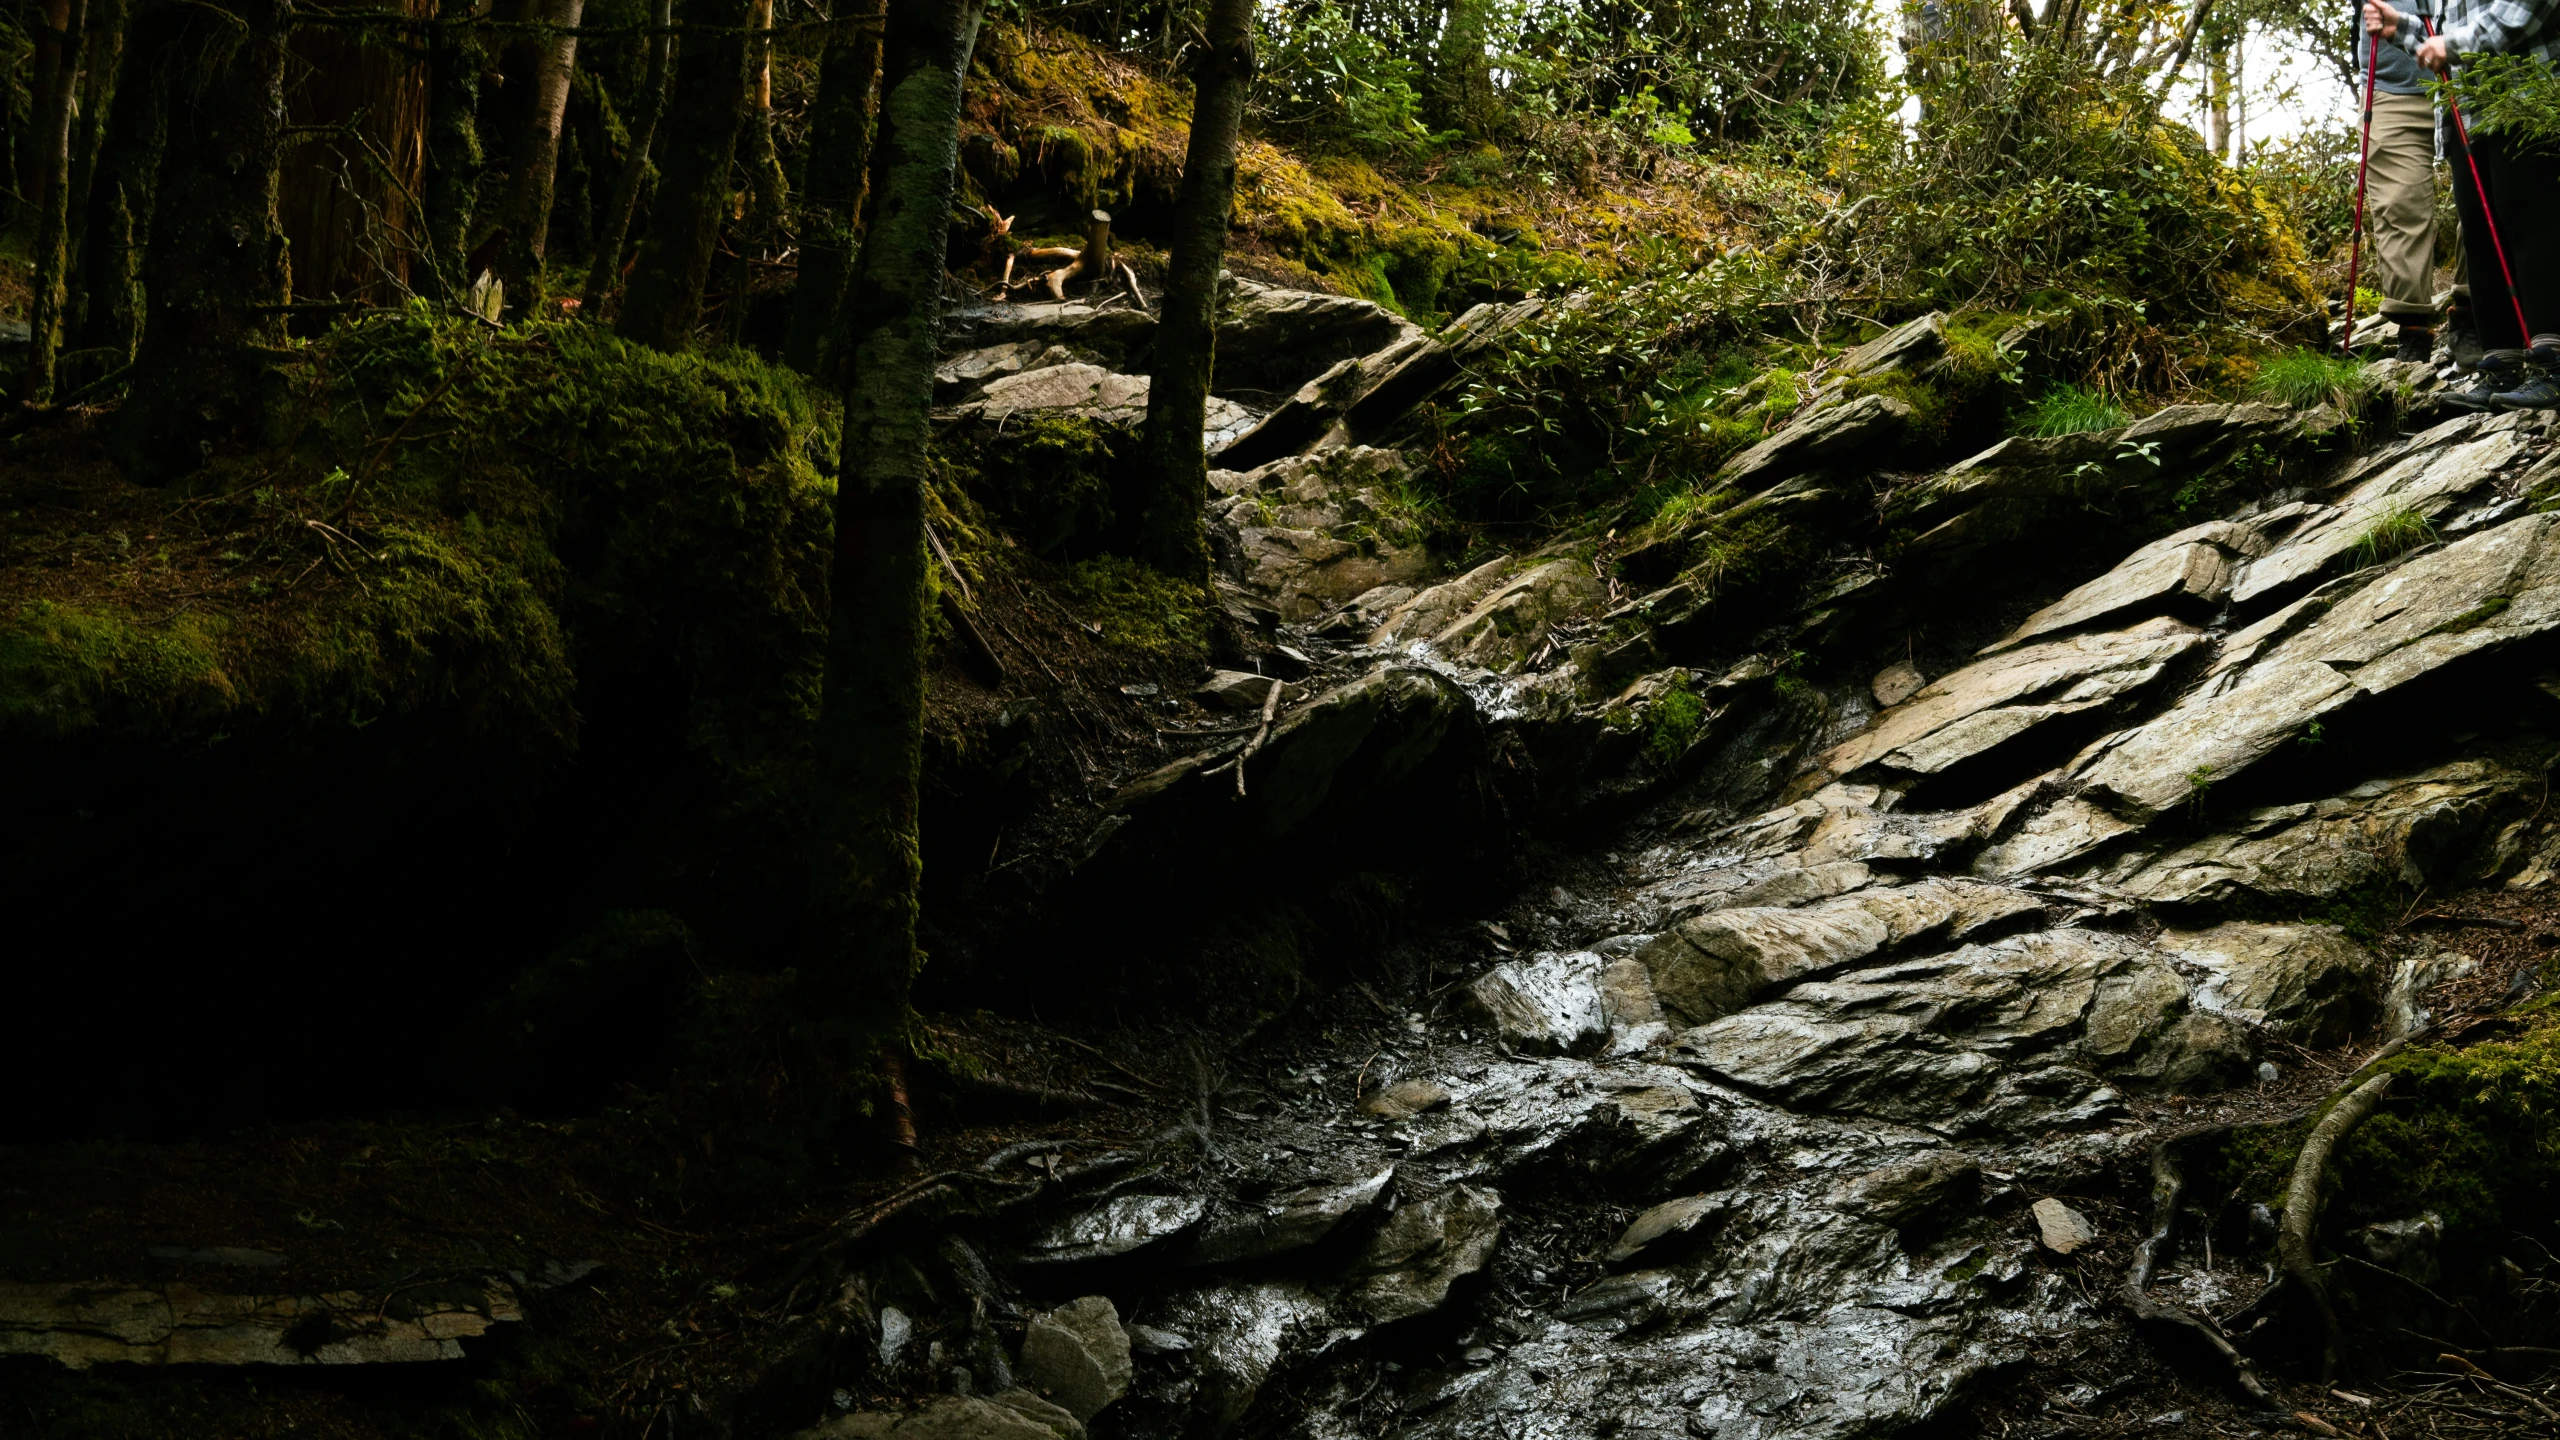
[763,165]
[534,159]
[35,158]
[2218,90]
[1176,467]
[216,272]
[53,210]
[1461,75]
[664,302]
[125,179]
[861,937]
[108,21]
[455,57]
[344,197]
[831,187]
[642,131]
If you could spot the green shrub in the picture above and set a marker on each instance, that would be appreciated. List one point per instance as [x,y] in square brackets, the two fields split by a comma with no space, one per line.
[2071,410]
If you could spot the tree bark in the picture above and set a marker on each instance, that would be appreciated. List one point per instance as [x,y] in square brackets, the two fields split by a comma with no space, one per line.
[216,271]
[345,196]
[53,19]
[831,188]
[860,939]
[108,21]
[642,123]
[664,303]
[1462,77]
[455,58]
[53,209]
[120,198]
[766,188]
[1175,466]
[534,159]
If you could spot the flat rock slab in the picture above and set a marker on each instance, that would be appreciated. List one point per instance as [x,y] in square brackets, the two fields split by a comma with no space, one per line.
[1077,1356]
[1973,711]
[2485,591]
[1408,1267]
[1721,961]
[82,1325]
[2464,455]
[1829,433]
[2063,1229]
[2189,571]
[1287,1222]
[1118,1226]
[2308,983]
[1547,1006]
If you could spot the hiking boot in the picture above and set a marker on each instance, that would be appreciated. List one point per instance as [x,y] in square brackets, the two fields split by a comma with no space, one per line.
[2497,374]
[2417,344]
[2462,340]
[2540,391]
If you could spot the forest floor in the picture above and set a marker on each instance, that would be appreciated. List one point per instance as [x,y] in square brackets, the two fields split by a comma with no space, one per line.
[650,1276]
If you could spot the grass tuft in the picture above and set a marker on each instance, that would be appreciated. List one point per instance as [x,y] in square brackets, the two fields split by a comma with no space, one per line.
[2392,534]
[2304,378]
[2070,410]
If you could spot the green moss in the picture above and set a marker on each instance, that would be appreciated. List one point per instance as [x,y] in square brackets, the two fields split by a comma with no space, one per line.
[1140,608]
[1675,721]
[1047,477]
[66,668]
[2475,616]
[2472,1134]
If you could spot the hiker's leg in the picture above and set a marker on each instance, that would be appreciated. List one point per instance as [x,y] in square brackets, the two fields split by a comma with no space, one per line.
[2524,184]
[2491,309]
[2400,207]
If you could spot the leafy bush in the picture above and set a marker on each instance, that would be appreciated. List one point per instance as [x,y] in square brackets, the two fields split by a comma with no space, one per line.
[2071,410]
[1324,78]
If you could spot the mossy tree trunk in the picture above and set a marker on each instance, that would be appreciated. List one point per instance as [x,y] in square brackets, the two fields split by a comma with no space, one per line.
[1461,76]
[455,58]
[865,867]
[831,187]
[53,206]
[1176,467]
[767,190]
[215,272]
[108,21]
[534,159]
[642,132]
[123,184]
[664,301]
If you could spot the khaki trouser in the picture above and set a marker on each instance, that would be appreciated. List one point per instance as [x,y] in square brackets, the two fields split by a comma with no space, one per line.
[2400,206]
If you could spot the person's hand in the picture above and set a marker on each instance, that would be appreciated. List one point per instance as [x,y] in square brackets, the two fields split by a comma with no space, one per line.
[2436,55]
[2380,18]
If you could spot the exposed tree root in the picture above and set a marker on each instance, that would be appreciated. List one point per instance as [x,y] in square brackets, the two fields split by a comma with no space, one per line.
[2302,1211]
[2167,1185]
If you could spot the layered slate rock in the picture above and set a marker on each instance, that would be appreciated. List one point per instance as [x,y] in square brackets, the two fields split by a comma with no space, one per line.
[2001,1037]
[1093,393]
[80,1325]
[1720,962]
[2187,573]
[2453,461]
[2438,828]
[1966,715]
[2485,591]
[2308,983]
[1313,532]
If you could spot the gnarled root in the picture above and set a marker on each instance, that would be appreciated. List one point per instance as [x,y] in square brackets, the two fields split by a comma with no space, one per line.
[2167,1185]
[2302,1212]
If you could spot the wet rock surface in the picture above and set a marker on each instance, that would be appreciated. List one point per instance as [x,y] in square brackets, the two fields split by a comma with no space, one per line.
[1760,1122]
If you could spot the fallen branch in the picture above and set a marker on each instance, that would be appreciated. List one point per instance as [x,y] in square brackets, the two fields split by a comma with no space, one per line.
[2167,1185]
[2302,1210]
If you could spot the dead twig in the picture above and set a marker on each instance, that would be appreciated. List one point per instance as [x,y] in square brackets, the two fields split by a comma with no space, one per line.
[1270,707]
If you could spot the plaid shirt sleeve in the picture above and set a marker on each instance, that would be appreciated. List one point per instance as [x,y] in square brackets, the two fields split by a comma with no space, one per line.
[2491,27]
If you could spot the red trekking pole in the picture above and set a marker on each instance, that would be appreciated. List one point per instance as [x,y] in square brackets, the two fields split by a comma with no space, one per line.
[2486,219]
[2364,158]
